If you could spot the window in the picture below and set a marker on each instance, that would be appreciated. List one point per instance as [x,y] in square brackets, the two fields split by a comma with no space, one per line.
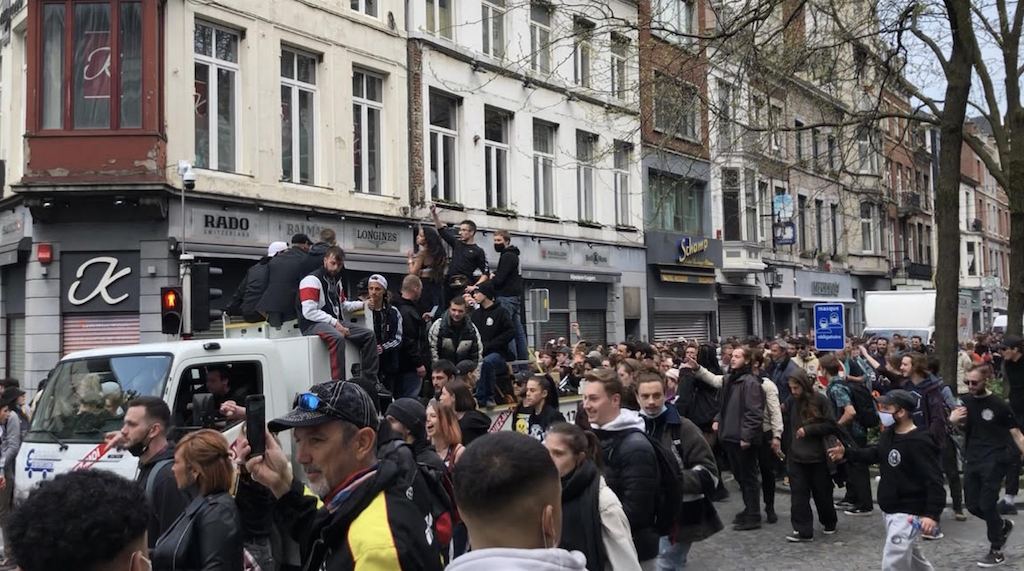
[583,51]
[676,203]
[867,216]
[540,37]
[105,91]
[726,95]
[367,115]
[543,168]
[585,143]
[801,206]
[798,140]
[496,157]
[928,245]
[298,96]
[819,223]
[620,51]
[676,107]
[492,22]
[674,17]
[750,205]
[832,165]
[833,219]
[443,159]
[731,205]
[216,95]
[816,147]
[368,7]
[774,121]
[867,159]
[623,152]
[439,17]
[883,232]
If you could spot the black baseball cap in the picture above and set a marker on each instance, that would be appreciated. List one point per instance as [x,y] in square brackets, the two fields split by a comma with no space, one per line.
[1013,342]
[326,402]
[900,398]
[301,239]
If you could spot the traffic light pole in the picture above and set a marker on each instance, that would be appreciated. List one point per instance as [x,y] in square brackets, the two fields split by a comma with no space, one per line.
[186,293]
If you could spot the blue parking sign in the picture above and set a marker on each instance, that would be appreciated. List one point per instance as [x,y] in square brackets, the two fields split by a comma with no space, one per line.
[829,327]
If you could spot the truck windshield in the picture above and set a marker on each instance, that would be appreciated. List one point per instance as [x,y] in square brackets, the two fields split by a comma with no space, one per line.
[85,398]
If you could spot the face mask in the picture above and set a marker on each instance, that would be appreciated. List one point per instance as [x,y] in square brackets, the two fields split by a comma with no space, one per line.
[140,447]
[660,412]
[499,248]
[887,418]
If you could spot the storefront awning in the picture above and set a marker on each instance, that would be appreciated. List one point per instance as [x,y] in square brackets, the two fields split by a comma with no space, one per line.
[226,251]
[16,252]
[741,290]
[377,263]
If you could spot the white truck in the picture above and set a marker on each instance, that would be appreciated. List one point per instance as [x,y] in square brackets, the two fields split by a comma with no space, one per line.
[87,391]
[907,313]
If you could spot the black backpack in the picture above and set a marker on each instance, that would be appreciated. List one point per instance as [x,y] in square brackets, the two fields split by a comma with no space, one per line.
[670,487]
[442,501]
[863,404]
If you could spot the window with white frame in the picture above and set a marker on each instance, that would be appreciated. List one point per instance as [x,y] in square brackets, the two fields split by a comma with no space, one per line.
[676,107]
[867,160]
[623,152]
[492,22]
[731,227]
[674,18]
[750,205]
[726,110]
[798,140]
[620,73]
[298,116]
[367,126]
[867,227]
[832,158]
[544,168]
[540,37]
[368,7]
[583,51]
[816,147]
[216,97]
[496,157]
[443,135]
[439,18]
[585,176]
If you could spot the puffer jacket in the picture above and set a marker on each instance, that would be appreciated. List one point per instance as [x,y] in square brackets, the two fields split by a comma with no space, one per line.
[455,342]
[631,470]
[741,418]
[206,537]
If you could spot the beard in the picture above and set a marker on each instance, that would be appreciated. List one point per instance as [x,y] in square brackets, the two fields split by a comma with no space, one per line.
[320,487]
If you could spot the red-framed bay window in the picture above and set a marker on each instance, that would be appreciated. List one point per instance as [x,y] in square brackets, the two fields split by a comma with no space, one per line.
[94,71]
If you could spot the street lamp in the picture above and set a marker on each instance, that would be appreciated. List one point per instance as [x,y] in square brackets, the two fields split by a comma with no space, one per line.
[772,280]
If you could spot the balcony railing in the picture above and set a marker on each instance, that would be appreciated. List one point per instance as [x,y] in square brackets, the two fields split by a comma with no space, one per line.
[912,202]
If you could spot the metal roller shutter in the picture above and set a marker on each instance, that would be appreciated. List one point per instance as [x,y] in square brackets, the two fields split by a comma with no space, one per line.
[90,331]
[16,349]
[671,326]
[593,326]
[734,321]
[556,326]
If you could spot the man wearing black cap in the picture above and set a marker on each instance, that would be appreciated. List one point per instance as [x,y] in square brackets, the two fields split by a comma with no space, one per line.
[496,332]
[910,490]
[286,269]
[994,441]
[368,517]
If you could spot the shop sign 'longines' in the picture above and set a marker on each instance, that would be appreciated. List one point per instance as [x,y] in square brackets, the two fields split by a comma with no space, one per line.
[99,281]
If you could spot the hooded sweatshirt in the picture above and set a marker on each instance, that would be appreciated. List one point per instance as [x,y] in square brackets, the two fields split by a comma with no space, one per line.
[508,281]
[631,470]
[474,424]
[930,413]
[506,559]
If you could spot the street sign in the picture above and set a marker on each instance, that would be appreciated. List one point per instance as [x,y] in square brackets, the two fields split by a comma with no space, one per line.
[785,233]
[829,327]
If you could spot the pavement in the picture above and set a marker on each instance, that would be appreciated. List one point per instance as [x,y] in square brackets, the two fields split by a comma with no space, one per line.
[856,547]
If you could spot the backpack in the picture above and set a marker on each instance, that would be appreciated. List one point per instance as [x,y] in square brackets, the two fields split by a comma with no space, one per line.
[863,404]
[442,501]
[670,488]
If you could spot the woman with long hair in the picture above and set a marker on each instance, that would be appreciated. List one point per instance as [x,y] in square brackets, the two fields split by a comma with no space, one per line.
[208,535]
[444,433]
[811,421]
[472,422]
[429,262]
[593,521]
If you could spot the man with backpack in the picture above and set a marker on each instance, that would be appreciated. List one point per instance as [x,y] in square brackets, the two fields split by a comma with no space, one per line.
[855,411]
[698,471]
[633,469]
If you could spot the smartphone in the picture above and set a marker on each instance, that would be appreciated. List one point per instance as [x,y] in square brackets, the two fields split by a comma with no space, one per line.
[256,424]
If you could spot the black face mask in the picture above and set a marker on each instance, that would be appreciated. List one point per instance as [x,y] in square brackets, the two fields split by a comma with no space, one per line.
[139,448]
[499,248]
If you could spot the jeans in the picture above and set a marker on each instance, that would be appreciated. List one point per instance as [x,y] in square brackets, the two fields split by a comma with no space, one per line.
[409,385]
[488,370]
[672,557]
[744,468]
[808,481]
[981,484]
[362,337]
[518,344]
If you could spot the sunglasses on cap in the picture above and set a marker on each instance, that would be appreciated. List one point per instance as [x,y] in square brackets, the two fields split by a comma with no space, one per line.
[309,402]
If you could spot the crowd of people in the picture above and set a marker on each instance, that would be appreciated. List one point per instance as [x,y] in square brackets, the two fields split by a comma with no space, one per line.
[398,468]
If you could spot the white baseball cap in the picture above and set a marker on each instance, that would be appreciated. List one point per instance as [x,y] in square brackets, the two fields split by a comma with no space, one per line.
[378,279]
[276,248]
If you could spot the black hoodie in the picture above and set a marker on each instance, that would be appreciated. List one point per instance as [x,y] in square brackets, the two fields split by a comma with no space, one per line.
[911,476]
[473,425]
[249,292]
[496,330]
[414,350]
[508,280]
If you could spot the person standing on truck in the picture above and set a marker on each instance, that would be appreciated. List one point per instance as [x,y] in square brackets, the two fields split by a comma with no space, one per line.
[414,353]
[508,285]
[496,330]
[249,292]
[317,251]
[144,435]
[467,259]
[322,298]
[386,321]
[285,269]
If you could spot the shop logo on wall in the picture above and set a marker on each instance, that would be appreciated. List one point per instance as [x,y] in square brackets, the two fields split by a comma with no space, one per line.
[829,289]
[232,225]
[375,238]
[693,252]
[100,282]
[596,258]
[554,254]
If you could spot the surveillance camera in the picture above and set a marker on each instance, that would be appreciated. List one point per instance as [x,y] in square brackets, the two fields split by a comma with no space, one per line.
[189,179]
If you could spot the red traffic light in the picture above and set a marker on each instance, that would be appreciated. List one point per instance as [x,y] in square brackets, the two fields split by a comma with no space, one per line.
[171,300]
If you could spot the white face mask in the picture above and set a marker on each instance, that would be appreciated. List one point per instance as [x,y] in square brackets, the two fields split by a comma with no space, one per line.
[886,418]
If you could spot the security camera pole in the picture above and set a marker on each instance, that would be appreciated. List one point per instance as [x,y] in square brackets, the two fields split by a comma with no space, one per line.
[188,182]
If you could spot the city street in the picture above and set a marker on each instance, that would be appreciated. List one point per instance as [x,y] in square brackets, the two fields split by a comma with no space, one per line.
[857,545]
